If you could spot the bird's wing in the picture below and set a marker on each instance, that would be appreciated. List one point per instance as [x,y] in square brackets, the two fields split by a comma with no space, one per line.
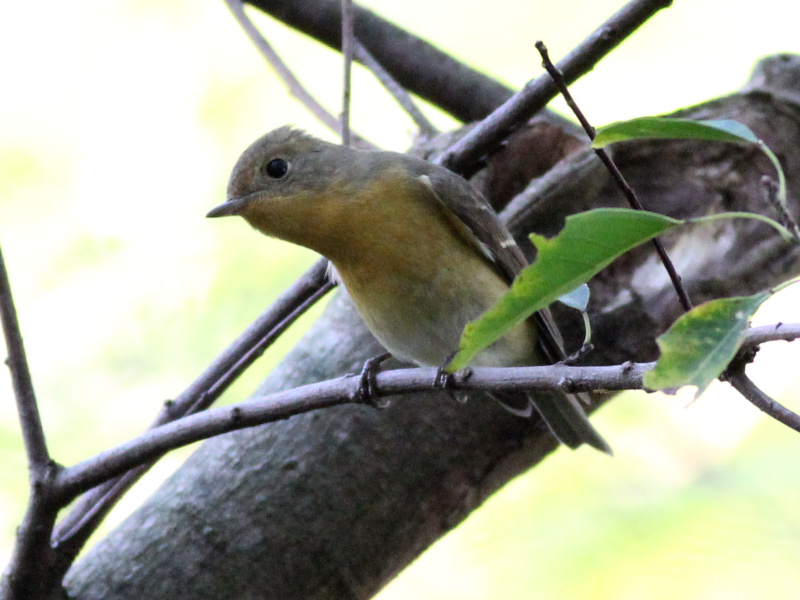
[477,221]
[470,208]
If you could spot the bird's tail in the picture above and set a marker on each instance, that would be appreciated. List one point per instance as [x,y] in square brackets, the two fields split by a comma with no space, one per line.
[565,417]
[562,413]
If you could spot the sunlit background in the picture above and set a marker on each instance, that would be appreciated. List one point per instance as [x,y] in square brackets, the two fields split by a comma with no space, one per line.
[119,123]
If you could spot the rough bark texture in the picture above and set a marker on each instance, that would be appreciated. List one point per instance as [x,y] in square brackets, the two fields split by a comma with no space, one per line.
[333,504]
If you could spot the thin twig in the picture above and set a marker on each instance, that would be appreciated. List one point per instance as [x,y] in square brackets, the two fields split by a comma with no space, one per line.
[744,385]
[616,175]
[30,419]
[736,376]
[397,91]
[295,87]
[32,555]
[281,405]
[768,333]
[347,55]
[463,156]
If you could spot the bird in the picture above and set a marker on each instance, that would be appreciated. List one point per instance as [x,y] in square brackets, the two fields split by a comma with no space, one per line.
[419,250]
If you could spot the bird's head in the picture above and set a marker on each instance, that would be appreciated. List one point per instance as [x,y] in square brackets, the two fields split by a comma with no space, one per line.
[286,183]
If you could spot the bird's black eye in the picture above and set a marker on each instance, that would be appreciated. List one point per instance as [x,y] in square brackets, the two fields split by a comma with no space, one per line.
[277,168]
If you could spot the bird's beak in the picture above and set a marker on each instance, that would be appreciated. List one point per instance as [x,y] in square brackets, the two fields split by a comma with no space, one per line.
[234,206]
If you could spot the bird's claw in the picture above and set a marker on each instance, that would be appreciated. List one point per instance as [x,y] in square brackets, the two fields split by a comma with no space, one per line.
[367,390]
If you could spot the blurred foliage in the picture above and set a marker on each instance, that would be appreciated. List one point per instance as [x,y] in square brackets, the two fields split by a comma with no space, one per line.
[120,124]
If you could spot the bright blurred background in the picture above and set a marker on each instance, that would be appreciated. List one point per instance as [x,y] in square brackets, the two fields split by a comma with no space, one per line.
[119,123]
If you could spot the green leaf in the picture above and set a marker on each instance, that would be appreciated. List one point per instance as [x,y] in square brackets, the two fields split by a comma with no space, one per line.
[702,342]
[587,244]
[674,129]
[723,130]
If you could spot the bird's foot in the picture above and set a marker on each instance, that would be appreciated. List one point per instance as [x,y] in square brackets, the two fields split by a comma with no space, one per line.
[367,390]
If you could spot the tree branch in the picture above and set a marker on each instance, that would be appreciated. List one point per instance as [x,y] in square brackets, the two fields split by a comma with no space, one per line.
[31,421]
[465,154]
[769,333]
[745,386]
[32,555]
[347,56]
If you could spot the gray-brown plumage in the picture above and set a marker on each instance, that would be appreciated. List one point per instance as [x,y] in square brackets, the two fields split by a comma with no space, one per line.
[419,251]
